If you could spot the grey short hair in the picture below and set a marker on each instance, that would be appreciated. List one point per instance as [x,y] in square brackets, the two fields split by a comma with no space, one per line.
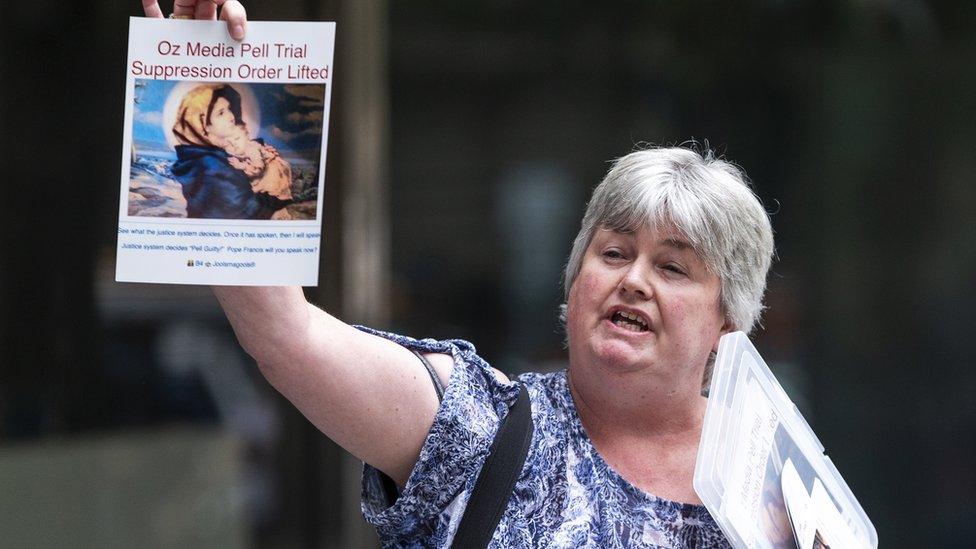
[708,200]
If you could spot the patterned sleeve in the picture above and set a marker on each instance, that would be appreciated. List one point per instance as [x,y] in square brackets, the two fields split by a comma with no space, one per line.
[453,452]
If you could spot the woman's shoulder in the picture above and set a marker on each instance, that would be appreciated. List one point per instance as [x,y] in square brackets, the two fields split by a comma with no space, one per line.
[474,403]
[548,382]
[548,391]
[464,368]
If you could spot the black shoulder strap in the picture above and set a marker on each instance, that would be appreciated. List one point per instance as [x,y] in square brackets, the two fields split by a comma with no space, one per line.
[495,483]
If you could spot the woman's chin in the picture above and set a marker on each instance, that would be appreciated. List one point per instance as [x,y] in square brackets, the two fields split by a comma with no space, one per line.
[617,355]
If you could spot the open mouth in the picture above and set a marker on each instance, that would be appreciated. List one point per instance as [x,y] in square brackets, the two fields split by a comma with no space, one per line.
[629,321]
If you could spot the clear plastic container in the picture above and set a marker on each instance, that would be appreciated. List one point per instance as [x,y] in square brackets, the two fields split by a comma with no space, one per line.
[761,471]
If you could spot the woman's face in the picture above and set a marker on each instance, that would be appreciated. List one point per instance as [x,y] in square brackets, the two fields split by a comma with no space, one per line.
[644,302]
[222,124]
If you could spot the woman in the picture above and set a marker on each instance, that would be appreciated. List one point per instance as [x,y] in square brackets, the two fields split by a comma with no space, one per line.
[673,252]
[224,173]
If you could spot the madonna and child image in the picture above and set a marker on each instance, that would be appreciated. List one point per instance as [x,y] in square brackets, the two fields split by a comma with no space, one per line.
[225,150]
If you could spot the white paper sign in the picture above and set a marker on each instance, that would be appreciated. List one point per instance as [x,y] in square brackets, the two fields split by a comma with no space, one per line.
[223,155]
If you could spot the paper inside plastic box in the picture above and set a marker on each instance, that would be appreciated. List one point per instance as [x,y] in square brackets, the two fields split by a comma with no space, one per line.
[761,471]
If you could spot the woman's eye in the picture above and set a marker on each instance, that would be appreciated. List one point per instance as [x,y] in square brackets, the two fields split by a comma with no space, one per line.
[674,268]
[613,254]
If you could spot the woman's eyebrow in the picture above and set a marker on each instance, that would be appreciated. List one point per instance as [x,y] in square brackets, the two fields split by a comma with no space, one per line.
[611,233]
[676,243]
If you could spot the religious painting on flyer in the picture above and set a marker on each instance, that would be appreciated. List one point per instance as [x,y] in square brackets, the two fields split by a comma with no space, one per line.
[225,150]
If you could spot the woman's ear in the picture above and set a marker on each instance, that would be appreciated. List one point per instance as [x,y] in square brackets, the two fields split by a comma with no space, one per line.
[727,327]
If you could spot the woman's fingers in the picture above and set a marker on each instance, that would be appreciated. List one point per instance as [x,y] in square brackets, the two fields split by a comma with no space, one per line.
[236,16]
[205,9]
[183,8]
[151,8]
[231,11]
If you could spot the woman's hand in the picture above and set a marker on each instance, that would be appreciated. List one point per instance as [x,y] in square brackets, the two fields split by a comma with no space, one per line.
[230,10]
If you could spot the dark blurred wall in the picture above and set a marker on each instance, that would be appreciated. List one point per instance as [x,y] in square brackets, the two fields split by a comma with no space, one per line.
[59,139]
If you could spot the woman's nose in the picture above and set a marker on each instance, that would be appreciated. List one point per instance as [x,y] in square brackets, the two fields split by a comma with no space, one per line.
[637,281]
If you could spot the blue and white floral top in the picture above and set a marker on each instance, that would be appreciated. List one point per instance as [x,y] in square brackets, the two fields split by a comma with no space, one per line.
[566,495]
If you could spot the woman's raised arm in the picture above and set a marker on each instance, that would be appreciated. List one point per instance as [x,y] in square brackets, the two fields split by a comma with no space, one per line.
[371,396]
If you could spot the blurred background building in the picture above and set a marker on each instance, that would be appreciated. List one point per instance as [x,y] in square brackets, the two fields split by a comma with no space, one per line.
[465,139]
